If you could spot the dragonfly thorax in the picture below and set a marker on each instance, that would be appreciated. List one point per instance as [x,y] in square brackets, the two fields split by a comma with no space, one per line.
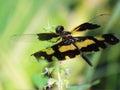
[68,40]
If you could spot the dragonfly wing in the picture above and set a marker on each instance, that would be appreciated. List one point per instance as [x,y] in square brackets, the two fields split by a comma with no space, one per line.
[95,43]
[59,51]
[98,22]
[46,36]
[86,26]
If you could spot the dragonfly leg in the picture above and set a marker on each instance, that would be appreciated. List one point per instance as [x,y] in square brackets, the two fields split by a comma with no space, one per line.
[83,56]
[57,40]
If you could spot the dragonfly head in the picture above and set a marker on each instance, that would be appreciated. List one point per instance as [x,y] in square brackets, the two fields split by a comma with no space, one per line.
[59,29]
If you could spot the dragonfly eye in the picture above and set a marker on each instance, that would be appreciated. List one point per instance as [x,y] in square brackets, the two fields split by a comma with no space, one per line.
[59,29]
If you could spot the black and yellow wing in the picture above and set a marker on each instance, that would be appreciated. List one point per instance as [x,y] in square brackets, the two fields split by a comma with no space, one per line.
[61,51]
[96,43]
[95,23]
[84,27]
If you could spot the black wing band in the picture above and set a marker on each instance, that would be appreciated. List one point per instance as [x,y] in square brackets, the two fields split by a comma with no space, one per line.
[86,26]
[46,36]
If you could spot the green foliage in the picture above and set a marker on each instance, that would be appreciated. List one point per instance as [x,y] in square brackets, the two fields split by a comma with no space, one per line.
[39,80]
[18,71]
[83,86]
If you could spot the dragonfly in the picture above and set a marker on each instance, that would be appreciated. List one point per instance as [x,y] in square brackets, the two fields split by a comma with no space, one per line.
[68,45]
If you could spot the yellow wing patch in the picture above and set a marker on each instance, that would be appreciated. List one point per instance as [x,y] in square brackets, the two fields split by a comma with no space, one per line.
[49,51]
[66,48]
[84,43]
[99,38]
[67,57]
[79,44]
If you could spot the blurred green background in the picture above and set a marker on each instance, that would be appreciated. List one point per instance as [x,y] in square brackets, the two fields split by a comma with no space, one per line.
[19,17]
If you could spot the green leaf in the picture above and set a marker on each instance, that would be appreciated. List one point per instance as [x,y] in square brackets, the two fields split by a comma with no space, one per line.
[39,80]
